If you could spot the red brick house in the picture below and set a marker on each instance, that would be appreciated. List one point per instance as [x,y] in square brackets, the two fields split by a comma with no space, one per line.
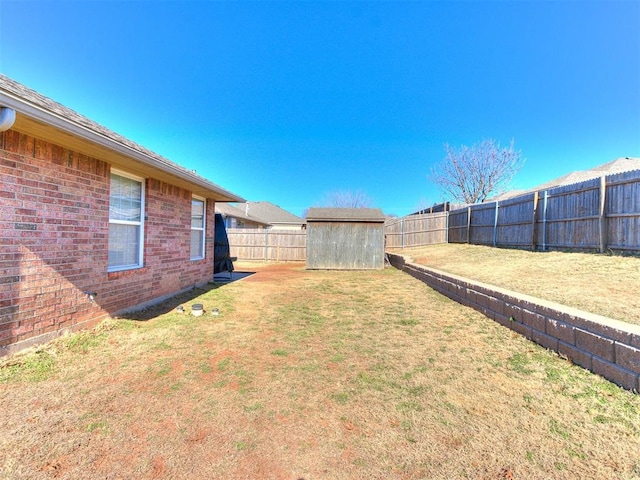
[91,224]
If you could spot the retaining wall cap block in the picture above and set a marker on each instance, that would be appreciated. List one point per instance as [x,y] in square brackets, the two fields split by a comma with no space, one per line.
[605,326]
[511,299]
[525,304]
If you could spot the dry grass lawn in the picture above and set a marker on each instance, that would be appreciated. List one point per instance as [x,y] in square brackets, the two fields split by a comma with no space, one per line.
[603,284]
[311,375]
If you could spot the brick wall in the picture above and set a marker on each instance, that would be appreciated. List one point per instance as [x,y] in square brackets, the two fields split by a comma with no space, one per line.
[54,220]
[605,346]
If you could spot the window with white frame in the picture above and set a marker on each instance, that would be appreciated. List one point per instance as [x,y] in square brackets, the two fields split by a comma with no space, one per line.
[126,222]
[198,209]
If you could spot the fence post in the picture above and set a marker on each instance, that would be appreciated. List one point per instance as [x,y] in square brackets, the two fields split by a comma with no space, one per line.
[266,244]
[446,226]
[544,221]
[534,230]
[602,224]
[402,233]
[469,224]
[495,226]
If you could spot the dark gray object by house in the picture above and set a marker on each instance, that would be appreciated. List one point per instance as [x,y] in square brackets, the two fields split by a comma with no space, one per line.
[222,260]
[345,239]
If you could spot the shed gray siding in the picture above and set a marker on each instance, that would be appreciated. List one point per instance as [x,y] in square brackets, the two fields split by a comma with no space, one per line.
[345,242]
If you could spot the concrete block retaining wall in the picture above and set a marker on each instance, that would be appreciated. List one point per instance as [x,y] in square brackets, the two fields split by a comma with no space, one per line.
[605,346]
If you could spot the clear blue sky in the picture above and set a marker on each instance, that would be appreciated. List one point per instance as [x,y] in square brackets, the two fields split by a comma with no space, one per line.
[286,101]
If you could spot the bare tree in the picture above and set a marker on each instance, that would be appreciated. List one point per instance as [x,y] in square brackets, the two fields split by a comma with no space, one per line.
[471,174]
[346,199]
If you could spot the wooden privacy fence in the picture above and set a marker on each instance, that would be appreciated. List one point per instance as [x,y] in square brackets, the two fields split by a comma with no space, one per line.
[510,223]
[416,230]
[596,215]
[268,244]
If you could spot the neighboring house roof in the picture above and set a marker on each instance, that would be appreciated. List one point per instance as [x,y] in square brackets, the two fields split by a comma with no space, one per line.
[440,207]
[229,210]
[373,215]
[269,213]
[44,118]
[619,165]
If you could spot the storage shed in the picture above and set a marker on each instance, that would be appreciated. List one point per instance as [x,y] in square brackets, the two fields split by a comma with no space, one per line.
[345,238]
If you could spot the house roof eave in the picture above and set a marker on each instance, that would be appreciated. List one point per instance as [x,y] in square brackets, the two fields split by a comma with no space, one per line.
[41,122]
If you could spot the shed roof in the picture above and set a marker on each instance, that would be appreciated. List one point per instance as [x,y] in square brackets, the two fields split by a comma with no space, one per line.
[369,215]
[44,118]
